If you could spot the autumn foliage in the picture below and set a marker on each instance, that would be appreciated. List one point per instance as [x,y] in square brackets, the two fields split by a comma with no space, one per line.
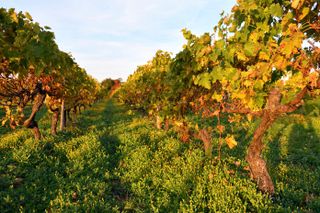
[33,69]
[261,62]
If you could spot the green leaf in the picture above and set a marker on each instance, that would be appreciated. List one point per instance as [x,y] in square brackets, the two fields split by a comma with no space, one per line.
[258,85]
[286,20]
[230,73]
[217,74]
[259,100]
[233,28]
[220,44]
[203,80]
[276,10]
[250,49]
[28,16]
[262,26]
[186,34]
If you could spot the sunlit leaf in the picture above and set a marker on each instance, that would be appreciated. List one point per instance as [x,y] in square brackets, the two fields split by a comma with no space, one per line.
[204,81]
[263,56]
[276,10]
[305,12]
[295,4]
[221,128]
[231,142]
[28,16]
[217,97]
[14,17]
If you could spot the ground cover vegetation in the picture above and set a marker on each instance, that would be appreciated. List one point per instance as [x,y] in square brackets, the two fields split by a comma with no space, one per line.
[230,123]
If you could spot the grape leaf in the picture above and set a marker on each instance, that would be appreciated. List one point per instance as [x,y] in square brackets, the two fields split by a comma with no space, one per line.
[231,142]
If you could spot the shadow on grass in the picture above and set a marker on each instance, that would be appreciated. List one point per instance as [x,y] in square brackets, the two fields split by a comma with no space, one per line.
[40,115]
[33,182]
[294,158]
[103,121]
[303,175]
[30,184]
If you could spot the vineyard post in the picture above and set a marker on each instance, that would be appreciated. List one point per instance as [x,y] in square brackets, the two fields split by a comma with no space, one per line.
[55,117]
[62,116]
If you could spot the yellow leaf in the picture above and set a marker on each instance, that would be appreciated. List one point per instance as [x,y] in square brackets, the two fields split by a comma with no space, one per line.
[231,142]
[295,4]
[14,17]
[216,96]
[305,12]
[263,56]
[241,56]
[247,83]
[4,122]
[197,127]
[179,124]
[239,95]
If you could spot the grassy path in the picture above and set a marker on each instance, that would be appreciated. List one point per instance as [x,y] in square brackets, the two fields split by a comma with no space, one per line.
[114,160]
[72,171]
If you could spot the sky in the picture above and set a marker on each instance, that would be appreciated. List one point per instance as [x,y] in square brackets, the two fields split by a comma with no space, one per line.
[110,38]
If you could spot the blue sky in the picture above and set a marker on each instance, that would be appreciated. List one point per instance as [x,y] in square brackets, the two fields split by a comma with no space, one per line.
[110,38]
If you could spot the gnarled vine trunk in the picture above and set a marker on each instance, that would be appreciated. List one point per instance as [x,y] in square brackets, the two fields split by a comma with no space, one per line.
[257,164]
[30,123]
[273,110]
[35,129]
[205,137]
[54,122]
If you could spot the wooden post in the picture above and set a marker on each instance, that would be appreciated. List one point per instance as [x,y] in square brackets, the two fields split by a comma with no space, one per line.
[62,116]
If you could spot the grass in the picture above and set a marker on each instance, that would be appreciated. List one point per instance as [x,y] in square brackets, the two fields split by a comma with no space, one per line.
[114,160]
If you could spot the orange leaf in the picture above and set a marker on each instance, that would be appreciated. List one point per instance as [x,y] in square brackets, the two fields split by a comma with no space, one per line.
[220,128]
[314,77]
[231,142]
[216,113]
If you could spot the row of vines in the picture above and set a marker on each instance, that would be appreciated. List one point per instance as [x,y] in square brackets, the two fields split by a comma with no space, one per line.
[34,72]
[261,62]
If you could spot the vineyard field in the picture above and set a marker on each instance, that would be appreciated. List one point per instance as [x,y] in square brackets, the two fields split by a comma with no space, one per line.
[113,159]
[229,123]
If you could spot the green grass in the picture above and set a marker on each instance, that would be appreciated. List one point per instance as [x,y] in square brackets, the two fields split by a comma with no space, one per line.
[114,160]
[294,158]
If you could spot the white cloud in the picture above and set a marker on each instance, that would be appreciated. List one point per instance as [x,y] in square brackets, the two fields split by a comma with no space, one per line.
[110,38]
